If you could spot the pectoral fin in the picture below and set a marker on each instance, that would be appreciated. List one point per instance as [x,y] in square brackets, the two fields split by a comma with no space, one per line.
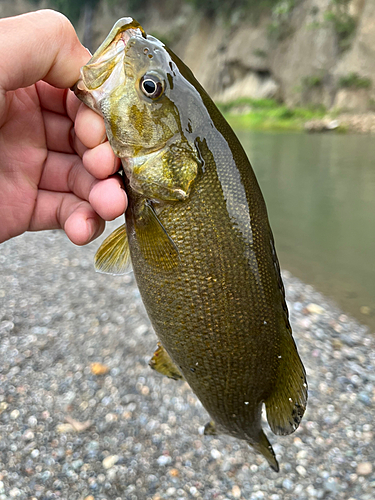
[287,403]
[156,246]
[162,363]
[113,256]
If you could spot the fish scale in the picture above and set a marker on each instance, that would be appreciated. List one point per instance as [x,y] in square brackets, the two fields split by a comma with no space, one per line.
[198,237]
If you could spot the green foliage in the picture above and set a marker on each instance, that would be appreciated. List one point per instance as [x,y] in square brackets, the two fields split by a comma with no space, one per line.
[344,24]
[268,114]
[280,28]
[312,81]
[260,53]
[355,81]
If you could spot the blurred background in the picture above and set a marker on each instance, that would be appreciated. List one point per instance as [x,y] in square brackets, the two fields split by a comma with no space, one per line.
[279,69]
[82,416]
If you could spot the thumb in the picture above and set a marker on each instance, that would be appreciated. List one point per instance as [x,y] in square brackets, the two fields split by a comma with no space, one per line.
[41,45]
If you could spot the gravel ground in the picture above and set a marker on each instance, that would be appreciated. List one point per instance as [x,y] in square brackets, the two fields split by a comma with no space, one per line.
[82,416]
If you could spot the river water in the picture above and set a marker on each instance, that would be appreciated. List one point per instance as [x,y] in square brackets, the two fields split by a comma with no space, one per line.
[320,194]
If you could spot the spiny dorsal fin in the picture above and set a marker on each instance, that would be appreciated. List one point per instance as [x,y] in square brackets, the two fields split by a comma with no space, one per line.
[113,256]
[162,363]
[156,246]
[287,403]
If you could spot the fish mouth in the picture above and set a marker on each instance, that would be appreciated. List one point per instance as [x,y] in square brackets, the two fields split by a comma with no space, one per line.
[104,61]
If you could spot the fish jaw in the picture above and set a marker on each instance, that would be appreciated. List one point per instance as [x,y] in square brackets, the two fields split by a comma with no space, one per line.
[103,69]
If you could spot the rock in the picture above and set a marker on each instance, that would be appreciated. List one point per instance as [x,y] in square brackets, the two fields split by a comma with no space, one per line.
[364,468]
[215,454]
[236,491]
[110,461]
[164,460]
[99,369]
[314,309]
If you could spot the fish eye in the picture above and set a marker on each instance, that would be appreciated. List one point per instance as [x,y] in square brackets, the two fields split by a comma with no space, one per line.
[152,86]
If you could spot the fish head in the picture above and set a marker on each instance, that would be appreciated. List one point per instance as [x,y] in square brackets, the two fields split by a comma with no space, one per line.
[132,81]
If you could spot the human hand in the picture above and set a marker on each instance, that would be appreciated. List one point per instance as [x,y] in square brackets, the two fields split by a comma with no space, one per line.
[54,160]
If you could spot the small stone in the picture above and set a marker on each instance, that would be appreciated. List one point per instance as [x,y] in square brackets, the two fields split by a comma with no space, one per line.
[34,453]
[314,309]
[171,491]
[174,473]
[99,369]
[14,492]
[215,454]
[6,326]
[236,491]
[32,421]
[164,460]
[64,428]
[90,497]
[110,461]
[193,491]
[28,435]
[287,484]
[14,414]
[301,470]
[364,468]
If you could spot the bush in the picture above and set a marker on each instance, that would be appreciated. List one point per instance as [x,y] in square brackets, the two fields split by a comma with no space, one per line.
[312,81]
[354,81]
[344,24]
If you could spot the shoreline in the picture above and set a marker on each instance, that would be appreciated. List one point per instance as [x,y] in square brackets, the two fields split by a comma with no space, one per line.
[72,432]
[268,115]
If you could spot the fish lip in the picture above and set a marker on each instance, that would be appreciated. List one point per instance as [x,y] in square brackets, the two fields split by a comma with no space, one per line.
[107,55]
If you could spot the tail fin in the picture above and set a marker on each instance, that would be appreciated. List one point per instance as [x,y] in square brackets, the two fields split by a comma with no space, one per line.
[263,446]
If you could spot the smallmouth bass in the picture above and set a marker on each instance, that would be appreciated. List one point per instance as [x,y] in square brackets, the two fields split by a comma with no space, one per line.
[198,237]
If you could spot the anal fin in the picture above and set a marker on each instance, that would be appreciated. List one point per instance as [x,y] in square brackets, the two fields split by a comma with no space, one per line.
[162,363]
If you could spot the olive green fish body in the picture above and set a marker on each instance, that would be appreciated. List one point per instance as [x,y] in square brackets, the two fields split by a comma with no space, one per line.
[214,313]
[200,243]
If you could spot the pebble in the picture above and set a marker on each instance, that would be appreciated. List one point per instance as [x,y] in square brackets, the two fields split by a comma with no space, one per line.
[14,414]
[99,369]
[164,460]
[215,454]
[236,491]
[110,461]
[364,468]
[314,309]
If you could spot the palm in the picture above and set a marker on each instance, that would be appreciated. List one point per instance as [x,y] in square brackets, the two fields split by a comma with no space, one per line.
[24,152]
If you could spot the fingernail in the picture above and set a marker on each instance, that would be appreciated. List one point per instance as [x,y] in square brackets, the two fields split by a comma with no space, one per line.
[104,138]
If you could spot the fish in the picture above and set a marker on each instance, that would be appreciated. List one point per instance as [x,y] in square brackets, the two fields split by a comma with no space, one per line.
[198,239]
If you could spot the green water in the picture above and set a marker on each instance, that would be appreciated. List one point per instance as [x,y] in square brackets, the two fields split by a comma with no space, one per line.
[320,194]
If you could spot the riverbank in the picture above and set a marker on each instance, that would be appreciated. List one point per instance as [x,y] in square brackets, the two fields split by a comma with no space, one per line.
[71,429]
[268,114]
